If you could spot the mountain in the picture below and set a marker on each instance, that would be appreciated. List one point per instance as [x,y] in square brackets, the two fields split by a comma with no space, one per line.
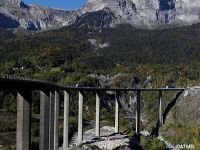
[14,14]
[148,14]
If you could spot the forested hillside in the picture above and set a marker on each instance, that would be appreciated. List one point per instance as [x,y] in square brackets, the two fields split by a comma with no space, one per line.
[170,52]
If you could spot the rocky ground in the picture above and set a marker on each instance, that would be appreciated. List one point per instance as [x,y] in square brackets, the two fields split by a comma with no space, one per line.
[108,140]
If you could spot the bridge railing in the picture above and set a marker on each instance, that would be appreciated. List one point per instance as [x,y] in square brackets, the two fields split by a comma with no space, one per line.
[49,110]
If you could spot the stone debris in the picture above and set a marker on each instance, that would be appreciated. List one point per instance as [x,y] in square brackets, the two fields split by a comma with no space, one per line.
[110,144]
[108,140]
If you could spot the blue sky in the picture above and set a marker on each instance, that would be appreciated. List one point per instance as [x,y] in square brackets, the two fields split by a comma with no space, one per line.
[64,4]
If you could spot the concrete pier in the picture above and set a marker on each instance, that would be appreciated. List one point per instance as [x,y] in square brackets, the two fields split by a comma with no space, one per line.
[56,121]
[80,119]
[97,129]
[66,121]
[23,122]
[160,116]
[117,112]
[138,113]
[51,120]
[44,120]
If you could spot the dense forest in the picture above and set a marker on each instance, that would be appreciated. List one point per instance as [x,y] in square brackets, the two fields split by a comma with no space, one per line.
[71,55]
[69,50]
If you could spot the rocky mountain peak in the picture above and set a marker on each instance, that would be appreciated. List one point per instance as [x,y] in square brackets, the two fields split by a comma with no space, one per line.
[146,14]
[10,3]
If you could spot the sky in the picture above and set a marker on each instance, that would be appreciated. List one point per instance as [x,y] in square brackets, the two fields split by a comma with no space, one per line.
[63,4]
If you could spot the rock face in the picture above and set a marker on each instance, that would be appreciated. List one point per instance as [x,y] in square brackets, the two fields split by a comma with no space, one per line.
[32,17]
[150,13]
[8,22]
[139,13]
[97,19]
[187,108]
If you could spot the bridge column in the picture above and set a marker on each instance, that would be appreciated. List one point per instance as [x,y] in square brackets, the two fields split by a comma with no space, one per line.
[51,121]
[97,133]
[44,120]
[117,112]
[56,122]
[138,113]
[23,121]
[66,121]
[80,119]
[160,109]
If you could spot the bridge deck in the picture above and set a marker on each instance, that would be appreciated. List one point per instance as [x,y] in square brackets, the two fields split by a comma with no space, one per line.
[27,84]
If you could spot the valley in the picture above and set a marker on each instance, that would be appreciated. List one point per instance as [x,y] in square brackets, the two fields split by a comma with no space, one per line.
[107,44]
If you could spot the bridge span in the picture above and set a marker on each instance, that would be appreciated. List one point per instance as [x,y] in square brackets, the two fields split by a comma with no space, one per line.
[49,109]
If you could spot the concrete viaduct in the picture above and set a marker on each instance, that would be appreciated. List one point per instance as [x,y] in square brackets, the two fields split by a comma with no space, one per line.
[49,110]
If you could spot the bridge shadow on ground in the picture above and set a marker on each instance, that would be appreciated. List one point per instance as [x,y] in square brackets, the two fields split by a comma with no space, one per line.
[134,143]
[108,140]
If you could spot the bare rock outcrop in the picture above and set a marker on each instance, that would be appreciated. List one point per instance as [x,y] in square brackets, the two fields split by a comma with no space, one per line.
[148,14]
[187,108]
